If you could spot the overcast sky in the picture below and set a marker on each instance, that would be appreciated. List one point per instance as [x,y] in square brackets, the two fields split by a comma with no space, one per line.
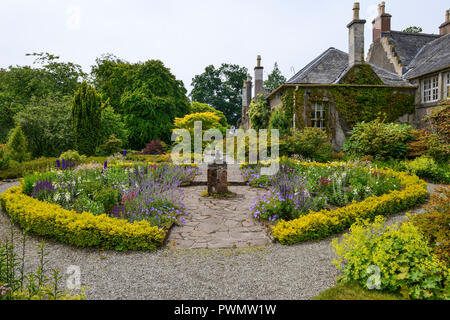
[189,35]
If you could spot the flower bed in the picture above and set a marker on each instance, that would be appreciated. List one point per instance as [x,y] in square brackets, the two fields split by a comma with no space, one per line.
[300,225]
[114,208]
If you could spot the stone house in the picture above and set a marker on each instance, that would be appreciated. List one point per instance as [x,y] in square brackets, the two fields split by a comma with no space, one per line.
[404,76]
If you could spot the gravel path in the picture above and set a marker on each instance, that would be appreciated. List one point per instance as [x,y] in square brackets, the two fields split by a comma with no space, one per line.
[271,272]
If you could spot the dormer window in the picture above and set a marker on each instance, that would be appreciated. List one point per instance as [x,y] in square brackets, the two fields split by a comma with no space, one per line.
[430,89]
[318,115]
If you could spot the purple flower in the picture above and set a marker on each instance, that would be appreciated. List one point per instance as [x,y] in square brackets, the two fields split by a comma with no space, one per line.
[124,153]
[58,163]
[105,165]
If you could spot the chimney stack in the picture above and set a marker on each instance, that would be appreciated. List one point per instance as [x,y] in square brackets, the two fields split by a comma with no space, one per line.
[445,27]
[356,38]
[249,90]
[258,77]
[244,95]
[382,23]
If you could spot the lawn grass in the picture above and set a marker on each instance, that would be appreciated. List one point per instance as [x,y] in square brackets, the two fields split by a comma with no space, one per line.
[354,291]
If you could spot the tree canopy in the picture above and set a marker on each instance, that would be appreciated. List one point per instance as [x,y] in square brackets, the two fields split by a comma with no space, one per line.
[275,79]
[413,29]
[221,89]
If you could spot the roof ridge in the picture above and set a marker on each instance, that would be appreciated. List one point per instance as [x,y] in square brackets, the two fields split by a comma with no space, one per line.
[418,34]
[422,49]
[312,63]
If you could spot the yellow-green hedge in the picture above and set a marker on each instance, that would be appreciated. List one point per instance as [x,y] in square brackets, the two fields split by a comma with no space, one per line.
[81,230]
[321,224]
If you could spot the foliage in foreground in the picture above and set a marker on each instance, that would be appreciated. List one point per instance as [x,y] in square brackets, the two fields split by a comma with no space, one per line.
[354,291]
[16,284]
[392,258]
[435,224]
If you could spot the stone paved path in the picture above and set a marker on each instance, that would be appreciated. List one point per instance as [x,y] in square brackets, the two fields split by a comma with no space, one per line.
[216,223]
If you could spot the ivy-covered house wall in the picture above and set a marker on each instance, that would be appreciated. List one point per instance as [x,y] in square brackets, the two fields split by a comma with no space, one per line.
[344,105]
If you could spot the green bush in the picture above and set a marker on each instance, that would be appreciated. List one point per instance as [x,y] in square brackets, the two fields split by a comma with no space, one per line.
[198,107]
[72,155]
[25,167]
[378,139]
[111,146]
[46,124]
[279,120]
[259,113]
[435,224]
[425,167]
[17,147]
[311,143]
[4,160]
[108,197]
[392,258]
[112,124]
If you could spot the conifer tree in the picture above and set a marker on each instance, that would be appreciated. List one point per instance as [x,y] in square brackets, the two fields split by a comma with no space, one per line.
[86,119]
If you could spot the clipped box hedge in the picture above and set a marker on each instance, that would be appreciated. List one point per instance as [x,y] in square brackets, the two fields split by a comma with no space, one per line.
[324,223]
[81,230]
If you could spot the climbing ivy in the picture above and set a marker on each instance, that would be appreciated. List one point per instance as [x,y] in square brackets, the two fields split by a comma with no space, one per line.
[357,104]
[361,74]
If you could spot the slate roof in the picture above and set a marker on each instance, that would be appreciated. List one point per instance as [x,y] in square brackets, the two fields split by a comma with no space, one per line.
[407,44]
[325,69]
[332,65]
[433,56]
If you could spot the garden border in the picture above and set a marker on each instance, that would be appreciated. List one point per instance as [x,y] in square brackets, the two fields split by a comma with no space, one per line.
[324,223]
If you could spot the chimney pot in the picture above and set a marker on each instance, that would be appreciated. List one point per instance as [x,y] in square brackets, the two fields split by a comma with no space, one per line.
[356,8]
[382,8]
[258,61]
[445,27]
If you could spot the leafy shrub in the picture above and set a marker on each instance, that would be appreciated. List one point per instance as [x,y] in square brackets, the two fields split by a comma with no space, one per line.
[4,160]
[425,143]
[26,167]
[17,147]
[406,264]
[435,224]
[112,124]
[107,197]
[311,143]
[378,139]
[46,124]
[209,120]
[279,120]
[110,146]
[259,113]
[425,167]
[198,107]
[154,147]
[72,155]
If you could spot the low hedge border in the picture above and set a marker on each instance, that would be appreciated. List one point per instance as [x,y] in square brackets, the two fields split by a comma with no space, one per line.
[80,230]
[324,223]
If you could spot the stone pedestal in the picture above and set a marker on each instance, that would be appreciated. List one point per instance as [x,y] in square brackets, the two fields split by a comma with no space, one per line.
[217,178]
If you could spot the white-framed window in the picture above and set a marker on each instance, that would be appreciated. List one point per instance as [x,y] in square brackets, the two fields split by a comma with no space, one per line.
[318,115]
[430,89]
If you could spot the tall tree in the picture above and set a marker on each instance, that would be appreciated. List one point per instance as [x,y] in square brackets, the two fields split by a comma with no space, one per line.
[86,119]
[151,102]
[111,76]
[275,79]
[221,89]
